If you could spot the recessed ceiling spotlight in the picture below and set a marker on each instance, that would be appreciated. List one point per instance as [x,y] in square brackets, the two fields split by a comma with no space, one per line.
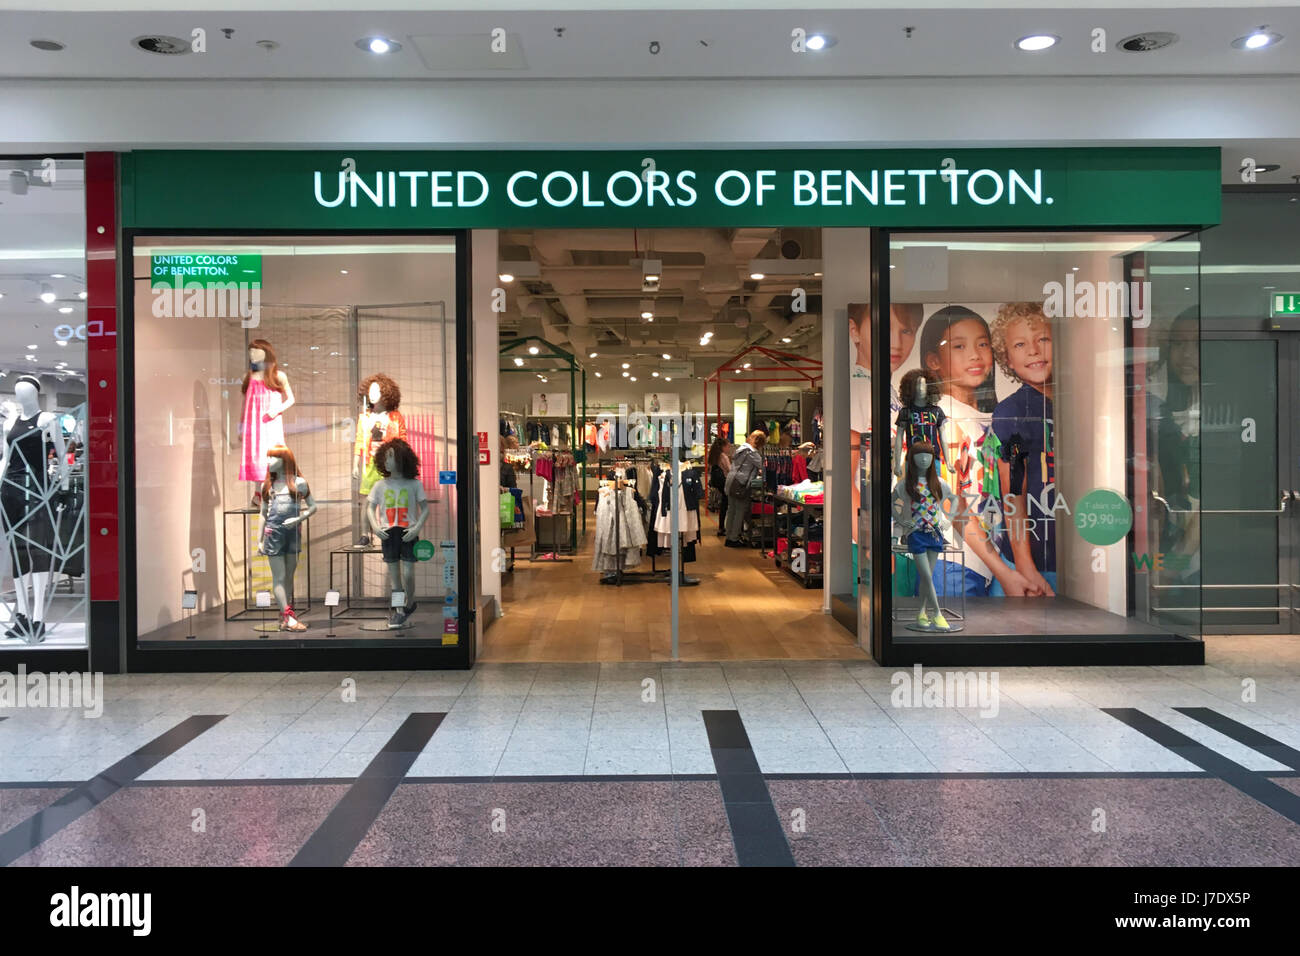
[819,41]
[787,339]
[591,355]
[378,45]
[667,357]
[817,275]
[31,358]
[747,364]
[82,294]
[506,277]
[654,374]
[49,46]
[627,365]
[632,379]
[63,343]
[737,371]
[668,378]
[1261,39]
[1037,42]
[33,347]
[47,294]
[518,360]
[757,275]
[626,374]
[65,309]
[343,272]
[162,45]
[57,275]
[598,375]
[532,350]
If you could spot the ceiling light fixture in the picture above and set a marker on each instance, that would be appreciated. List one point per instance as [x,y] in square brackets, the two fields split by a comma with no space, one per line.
[506,277]
[80,295]
[1261,39]
[819,41]
[1037,42]
[518,360]
[49,46]
[787,340]
[668,378]
[33,347]
[63,343]
[627,365]
[47,294]
[378,45]
[598,375]
[757,275]
[343,272]
[626,374]
[533,350]
[667,357]
[632,379]
[591,355]
[57,275]
[65,310]
[654,374]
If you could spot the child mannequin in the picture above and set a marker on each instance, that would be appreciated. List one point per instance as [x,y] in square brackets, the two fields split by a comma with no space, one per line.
[920,418]
[283,495]
[397,511]
[380,421]
[920,525]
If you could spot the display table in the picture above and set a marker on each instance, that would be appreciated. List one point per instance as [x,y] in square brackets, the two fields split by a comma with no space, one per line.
[345,608]
[304,540]
[788,513]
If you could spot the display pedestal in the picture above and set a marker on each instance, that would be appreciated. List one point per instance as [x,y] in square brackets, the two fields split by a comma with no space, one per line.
[249,605]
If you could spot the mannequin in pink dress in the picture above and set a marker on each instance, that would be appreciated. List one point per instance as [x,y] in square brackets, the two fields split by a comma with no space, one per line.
[267,396]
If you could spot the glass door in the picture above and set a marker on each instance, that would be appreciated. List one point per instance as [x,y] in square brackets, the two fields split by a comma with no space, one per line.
[1250,478]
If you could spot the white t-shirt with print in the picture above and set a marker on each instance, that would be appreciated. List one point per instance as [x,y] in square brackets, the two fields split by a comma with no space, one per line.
[398,501]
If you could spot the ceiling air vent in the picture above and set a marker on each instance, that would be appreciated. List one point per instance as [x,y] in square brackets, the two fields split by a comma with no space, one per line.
[1146,42]
[163,46]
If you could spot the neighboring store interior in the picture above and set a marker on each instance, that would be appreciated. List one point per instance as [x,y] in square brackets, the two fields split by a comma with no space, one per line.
[339,315]
[43,339]
[1092,398]
[726,313]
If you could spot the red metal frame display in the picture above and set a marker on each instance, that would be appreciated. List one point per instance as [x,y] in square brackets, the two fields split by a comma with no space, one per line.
[779,367]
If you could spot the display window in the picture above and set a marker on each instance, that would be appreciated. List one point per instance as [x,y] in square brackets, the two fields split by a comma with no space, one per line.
[1043,452]
[295,440]
[43,404]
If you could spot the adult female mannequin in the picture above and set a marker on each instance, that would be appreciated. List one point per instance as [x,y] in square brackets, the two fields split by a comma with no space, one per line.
[267,396]
[284,495]
[920,525]
[379,422]
[30,435]
[397,511]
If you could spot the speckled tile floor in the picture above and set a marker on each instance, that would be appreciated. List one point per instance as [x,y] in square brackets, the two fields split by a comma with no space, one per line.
[616,764]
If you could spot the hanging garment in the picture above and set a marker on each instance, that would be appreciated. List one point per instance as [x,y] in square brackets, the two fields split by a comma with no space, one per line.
[29,518]
[611,507]
[688,519]
[798,468]
[259,436]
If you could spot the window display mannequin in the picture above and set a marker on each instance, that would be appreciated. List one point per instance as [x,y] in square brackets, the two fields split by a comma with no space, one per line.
[379,422]
[397,511]
[286,503]
[267,396]
[920,418]
[31,437]
[920,524]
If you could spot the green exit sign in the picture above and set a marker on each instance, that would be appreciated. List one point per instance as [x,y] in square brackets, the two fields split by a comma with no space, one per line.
[1284,303]
[204,269]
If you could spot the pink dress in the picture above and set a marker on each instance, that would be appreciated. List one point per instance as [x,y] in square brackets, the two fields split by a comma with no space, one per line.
[259,436]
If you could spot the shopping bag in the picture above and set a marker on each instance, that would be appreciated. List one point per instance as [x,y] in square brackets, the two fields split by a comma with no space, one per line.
[507,509]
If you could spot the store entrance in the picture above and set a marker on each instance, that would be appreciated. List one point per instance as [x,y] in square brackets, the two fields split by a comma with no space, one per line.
[608,345]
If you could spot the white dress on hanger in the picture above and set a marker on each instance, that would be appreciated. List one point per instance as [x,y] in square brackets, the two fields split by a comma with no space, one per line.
[688,521]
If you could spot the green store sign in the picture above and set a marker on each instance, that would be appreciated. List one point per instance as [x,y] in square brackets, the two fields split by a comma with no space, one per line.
[962,188]
[204,269]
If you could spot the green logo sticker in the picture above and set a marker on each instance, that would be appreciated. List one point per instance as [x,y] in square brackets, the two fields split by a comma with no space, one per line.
[1103,517]
[424,550]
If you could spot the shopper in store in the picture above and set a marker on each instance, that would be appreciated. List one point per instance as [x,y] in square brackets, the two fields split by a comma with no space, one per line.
[1024,427]
[508,477]
[719,462]
[746,471]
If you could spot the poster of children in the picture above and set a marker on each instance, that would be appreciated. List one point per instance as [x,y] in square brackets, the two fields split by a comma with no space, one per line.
[993,366]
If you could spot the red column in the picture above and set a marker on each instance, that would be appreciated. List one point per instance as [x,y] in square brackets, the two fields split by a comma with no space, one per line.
[102,410]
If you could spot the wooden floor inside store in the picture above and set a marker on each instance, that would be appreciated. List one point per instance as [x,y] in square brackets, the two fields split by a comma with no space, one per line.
[744,608]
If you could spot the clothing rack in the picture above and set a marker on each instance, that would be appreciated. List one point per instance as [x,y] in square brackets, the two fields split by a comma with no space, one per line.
[619,575]
[562,459]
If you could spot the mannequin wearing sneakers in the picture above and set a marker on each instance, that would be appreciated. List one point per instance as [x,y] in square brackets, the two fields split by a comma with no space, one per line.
[920,524]
[397,511]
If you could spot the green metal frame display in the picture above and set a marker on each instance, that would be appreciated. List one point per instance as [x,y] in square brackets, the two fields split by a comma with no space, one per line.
[534,363]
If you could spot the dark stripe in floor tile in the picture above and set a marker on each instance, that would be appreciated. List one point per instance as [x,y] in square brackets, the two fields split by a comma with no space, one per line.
[84,798]
[1252,738]
[1234,774]
[337,837]
[755,828]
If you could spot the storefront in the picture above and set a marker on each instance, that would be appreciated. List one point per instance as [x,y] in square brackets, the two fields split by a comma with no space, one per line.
[296,324]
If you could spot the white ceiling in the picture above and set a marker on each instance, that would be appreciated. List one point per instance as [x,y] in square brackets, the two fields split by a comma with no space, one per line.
[605,44]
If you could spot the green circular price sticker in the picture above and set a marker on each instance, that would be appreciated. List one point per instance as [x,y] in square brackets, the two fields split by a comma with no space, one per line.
[424,550]
[1103,517]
